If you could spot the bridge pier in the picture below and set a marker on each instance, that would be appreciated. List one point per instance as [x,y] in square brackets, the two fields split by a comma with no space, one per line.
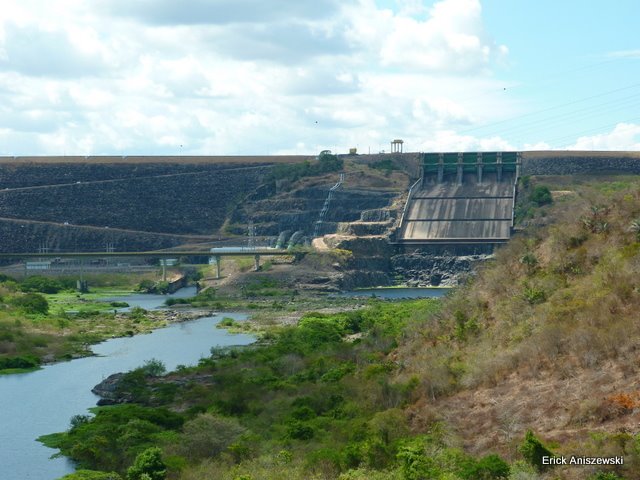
[256,266]
[459,180]
[479,166]
[163,264]
[218,260]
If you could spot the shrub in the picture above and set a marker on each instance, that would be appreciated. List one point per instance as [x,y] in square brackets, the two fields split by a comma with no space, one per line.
[314,331]
[386,165]
[415,465]
[137,313]
[534,295]
[226,322]
[146,285]
[40,284]
[541,195]
[326,163]
[149,465]
[299,430]
[25,361]
[177,301]
[119,304]
[489,467]
[533,450]
[91,475]
[605,476]
[208,435]
[32,303]
[154,368]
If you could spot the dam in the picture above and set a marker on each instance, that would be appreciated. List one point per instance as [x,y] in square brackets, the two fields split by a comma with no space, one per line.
[143,203]
[462,198]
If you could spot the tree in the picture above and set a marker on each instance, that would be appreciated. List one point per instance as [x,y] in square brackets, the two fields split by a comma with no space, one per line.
[530,260]
[41,284]
[490,467]
[148,465]
[32,303]
[208,435]
[541,195]
[533,450]
[415,465]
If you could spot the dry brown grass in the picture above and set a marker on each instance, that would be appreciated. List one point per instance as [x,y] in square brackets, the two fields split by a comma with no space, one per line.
[556,347]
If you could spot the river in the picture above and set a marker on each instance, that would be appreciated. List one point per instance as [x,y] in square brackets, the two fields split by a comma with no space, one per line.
[398,292]
[41,402]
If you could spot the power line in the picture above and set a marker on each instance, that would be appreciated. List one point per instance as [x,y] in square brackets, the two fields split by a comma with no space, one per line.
[556,107]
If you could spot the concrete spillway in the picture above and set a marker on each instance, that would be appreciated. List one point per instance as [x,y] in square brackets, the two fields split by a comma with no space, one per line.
[461,199]
[451,213]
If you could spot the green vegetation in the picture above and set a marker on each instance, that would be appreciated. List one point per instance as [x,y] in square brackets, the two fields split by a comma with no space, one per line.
[150,286]
[38,326]
[531,198]
[41,284]
[395,390]
[148,466]
[541,195]
[387,166]
[326,163]
[91,475]
[320,400]
[533,451]
[31,303]
[407,390]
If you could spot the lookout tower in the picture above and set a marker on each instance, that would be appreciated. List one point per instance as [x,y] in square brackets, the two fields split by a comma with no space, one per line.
[397,146]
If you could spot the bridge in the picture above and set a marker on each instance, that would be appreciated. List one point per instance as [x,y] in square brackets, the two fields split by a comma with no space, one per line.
[461,199]
[215,254]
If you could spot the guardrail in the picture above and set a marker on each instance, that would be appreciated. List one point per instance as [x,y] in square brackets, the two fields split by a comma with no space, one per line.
[406,205]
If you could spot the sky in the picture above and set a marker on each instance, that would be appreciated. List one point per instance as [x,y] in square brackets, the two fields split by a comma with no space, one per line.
[248,77]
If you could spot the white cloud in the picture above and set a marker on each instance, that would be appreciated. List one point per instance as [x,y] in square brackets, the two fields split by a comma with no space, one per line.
[625,136]
[624,54]
[450,141]
[36,52]
[196,12]
[452,39]
[252,77]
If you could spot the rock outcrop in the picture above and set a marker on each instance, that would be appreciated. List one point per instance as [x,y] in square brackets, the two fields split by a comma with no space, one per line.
[109,392]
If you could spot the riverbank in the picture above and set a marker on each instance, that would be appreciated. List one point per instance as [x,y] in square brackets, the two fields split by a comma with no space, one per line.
[45,401]
[73,322]
[38,328]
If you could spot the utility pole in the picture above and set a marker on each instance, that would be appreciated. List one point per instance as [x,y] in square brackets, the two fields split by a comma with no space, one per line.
[252,235]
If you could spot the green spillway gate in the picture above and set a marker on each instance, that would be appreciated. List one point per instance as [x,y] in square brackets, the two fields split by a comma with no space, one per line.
[460,163]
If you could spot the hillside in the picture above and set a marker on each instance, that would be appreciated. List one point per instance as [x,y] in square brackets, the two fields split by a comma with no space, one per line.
[536,353]
[546,337]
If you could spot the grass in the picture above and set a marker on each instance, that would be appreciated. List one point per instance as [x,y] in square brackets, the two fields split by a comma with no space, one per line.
[72,323]
[73,301]
[15,371]
[558,303]
[310,399]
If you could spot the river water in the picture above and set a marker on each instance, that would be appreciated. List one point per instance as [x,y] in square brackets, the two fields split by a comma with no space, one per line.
[41,402]
[398,292]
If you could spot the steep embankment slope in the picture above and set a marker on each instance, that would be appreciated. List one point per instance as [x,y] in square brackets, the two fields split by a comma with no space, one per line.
[55,201]
[547,336]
